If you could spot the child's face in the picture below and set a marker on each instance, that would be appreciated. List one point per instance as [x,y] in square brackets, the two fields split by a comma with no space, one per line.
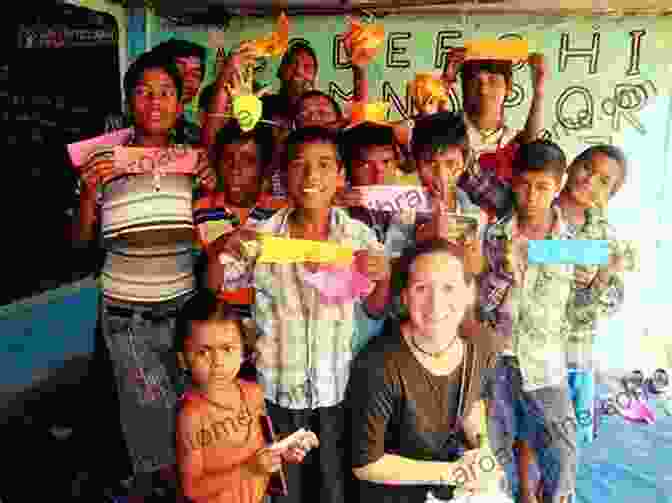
[214,353]
[315,111]
[437,295]
[239,167]
[600,173]
[155,105]
[376,165]
[485,89]
[534,192]
[440,170]
[314,174]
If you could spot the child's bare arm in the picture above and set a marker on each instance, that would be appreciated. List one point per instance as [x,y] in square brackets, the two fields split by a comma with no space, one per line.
[535,117]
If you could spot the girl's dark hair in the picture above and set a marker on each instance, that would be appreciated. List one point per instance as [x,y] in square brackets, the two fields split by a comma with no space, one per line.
[261,135]
[612,152]
[411,254]
[313,93]
[540,155]
[439,131]
[205,307]
[150,61]
[310,135]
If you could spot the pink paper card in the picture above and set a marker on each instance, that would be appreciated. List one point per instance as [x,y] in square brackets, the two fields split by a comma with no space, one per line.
[396,198]
[338,285]
[80,151]
[177,160]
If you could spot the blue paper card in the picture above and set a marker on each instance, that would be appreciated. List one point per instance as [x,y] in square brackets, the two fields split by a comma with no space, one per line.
[566,251]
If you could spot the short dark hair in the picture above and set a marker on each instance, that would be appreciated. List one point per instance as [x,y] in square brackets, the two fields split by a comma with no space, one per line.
[204,306]
[177,48]
[540,155]
[310,135]
[314,93]
[437,132]
[261,135]
[288,57]
[411,254]
[367,134]
[150,61]
[472,67]
[612,152]
[206,97]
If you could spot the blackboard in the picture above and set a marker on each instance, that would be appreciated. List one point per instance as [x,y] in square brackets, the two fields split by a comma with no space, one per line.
[58,82]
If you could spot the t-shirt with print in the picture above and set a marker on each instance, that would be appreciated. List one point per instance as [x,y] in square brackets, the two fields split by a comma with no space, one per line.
[398,407]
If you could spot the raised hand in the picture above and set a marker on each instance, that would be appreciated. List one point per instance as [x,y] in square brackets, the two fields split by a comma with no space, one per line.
[537,63]
[454,58]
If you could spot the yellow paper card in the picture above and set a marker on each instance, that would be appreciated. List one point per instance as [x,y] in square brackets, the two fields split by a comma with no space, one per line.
[369,112]
[280,250]
[509,50]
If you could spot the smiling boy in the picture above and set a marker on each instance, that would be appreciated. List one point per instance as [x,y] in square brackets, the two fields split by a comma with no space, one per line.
[305,346]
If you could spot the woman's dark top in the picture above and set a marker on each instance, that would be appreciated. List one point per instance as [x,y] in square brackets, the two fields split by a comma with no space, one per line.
[398,407]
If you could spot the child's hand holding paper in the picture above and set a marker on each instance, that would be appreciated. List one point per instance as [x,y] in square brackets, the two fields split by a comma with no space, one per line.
[294,448]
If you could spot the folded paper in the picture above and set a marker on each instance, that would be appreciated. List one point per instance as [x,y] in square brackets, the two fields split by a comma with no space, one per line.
[369,112]
[280,250]
[276,43]
[396,198]
[339,285]
[504,50]
[214,229]
[427,86]
[247,110]
[177,160]
[80,151]
[363,40]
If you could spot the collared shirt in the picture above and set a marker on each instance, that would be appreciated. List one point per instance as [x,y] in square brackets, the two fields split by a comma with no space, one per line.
[593,303]
[531,320]
[305,346]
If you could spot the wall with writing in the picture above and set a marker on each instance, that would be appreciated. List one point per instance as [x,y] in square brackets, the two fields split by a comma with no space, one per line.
[603,71]
[609,82]
[65,80]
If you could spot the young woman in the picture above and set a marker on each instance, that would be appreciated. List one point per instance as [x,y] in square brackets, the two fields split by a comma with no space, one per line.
[147,276]
[416,416]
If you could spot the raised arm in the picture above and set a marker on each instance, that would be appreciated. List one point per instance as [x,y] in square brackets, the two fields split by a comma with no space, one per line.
[535,117]
[229,80]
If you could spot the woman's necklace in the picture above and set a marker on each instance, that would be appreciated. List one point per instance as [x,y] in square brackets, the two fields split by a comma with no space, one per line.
[436,354]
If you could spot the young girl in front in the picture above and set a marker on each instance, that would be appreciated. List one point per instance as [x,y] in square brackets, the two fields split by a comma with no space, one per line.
[221,448]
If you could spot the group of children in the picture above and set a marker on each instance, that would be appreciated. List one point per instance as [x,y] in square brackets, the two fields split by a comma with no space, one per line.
[298,349]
